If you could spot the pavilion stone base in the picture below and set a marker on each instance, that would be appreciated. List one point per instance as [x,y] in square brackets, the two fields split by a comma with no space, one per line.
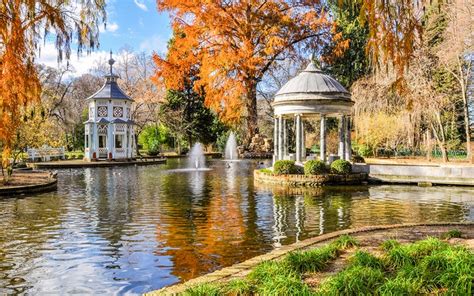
[310,180]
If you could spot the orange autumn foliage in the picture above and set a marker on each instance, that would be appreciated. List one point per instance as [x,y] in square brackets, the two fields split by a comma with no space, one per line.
[23,26]
[232,44]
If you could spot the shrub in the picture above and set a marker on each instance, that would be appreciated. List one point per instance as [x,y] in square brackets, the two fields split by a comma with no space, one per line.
[357,159]
[364,151]
[341,166]
[314,167]
[80,156]
[66,157]
[285,167]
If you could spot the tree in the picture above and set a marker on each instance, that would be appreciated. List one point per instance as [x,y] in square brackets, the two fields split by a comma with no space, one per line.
[458,59]
[353,63]
[22,24]
[234,43]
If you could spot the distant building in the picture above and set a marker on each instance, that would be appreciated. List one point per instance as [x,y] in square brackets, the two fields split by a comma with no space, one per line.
[109,131]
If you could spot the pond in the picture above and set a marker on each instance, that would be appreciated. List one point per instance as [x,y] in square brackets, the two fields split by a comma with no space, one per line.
[129,230]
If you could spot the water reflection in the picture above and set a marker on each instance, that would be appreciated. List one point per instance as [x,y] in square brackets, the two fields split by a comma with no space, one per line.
[134,229]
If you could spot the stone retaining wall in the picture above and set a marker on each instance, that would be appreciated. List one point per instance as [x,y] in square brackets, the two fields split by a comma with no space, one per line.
[434,174]
[309,180]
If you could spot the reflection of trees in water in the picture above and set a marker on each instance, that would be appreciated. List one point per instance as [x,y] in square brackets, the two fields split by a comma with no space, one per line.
[210,232]
[27,224]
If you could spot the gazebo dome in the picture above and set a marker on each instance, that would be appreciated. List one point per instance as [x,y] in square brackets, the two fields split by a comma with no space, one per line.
[312,91]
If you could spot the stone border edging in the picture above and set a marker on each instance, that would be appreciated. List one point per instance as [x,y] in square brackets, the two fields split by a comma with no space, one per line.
[28,189]
[238,268]
[94,164]
[310,180]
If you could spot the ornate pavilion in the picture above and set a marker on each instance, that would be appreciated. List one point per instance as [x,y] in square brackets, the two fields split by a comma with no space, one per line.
[109,131]
[312,94]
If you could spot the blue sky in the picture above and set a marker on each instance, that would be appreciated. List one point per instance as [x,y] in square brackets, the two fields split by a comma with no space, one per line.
[133,23]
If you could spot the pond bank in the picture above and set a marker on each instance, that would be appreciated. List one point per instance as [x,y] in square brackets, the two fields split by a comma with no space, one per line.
[402,232]
[68,164]
[29,182]
[433,174]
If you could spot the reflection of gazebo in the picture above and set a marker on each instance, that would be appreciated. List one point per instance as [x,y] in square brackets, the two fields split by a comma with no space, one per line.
[311,94]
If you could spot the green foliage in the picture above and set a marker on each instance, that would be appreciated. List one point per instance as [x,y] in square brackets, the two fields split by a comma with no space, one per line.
[266,171]
[185,114]
[314,167]
[356,280]
[365,151]
[153,137]
[238,287]
[284,167]
[389,245]
[203,290]
[345,241]
[312,260]
[341,166]
[363,258]
[353,63]
[453,233]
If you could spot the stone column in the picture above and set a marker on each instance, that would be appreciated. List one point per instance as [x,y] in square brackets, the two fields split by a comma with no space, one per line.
[303,146]
[94,141]
[298,137]
[322,141]
[285,140]
[342,131]
[348,146]
[275,139]
[110,143]
[280,137]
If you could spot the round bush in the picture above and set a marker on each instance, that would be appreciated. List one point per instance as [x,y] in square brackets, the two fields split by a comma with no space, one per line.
[284,167]
[80,156]
[314,167]
[341,166]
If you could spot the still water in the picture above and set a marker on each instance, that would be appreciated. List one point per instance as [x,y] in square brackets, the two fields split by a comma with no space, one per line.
[130,230]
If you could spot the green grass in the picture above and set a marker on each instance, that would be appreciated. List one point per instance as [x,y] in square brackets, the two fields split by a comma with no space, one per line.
[453,233]
[203,290]
[429,266]
[355,280]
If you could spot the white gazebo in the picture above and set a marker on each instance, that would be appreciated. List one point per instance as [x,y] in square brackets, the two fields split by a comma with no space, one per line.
[109,131]
[312,94]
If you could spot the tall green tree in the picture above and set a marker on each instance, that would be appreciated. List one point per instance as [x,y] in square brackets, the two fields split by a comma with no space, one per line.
[353,63]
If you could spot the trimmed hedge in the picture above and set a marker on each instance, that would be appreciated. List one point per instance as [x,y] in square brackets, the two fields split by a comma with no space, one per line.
[314,167]
[342,167]
[284,167]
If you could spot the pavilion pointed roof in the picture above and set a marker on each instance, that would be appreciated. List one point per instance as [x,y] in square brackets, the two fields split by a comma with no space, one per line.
[110,90]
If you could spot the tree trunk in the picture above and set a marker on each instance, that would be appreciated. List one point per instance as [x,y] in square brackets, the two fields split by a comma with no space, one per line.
[252,116]
[440,138]
[465,106]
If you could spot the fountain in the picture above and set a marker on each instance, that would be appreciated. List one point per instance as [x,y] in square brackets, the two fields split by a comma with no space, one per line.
[196,159]
[231,148]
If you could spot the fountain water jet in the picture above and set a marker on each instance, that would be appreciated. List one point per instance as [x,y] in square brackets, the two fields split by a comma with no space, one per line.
[196,159]
[231,148]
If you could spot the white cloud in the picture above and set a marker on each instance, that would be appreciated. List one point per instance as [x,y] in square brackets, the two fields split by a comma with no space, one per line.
[141,5]
[154,43]
[81,65]
[111,27]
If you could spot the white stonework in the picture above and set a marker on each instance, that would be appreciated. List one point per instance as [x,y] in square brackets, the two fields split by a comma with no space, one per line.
[109,131]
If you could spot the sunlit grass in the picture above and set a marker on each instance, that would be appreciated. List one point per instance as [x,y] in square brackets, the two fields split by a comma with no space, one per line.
[429,266]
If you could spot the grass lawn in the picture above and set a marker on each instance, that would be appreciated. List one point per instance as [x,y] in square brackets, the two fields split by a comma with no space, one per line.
[430,266]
